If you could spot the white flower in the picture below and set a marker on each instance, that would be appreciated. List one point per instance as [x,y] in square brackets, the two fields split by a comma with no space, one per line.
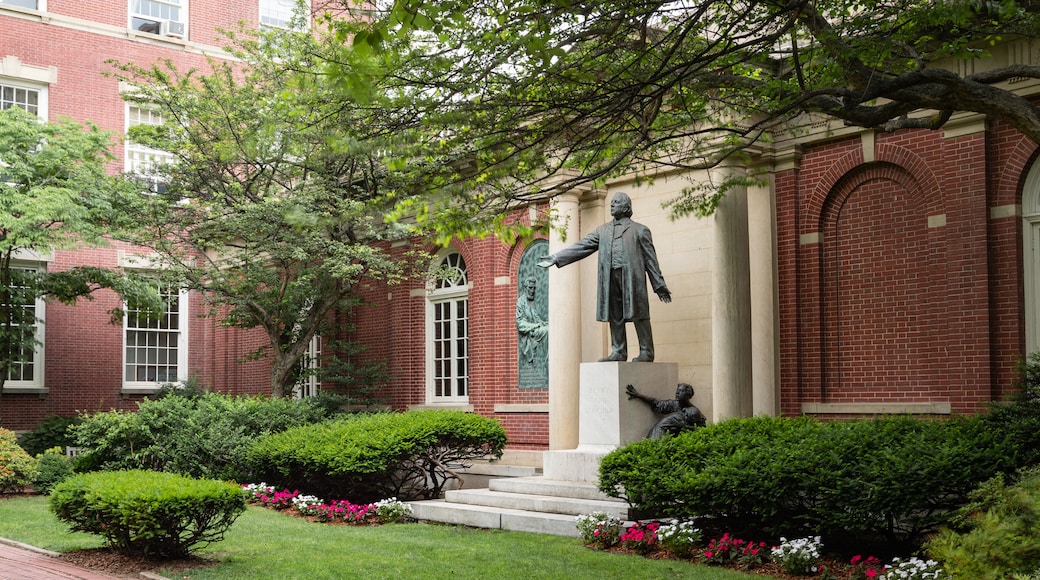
[912,569]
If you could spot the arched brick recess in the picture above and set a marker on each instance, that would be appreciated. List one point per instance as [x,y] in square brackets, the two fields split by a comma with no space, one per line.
[1012,164]
[1013,170]
[815,201]
[891,154]
[881,275]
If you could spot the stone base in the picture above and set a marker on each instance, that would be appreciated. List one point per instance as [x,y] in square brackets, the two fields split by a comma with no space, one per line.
[607,418]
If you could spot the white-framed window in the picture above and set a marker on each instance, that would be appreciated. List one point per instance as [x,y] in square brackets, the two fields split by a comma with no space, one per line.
[39,5]
[308,386]
[25,85]
[31,98]
[144,161]
[156,345]
[447,334]
[26,370]
[161,17]
[279,13]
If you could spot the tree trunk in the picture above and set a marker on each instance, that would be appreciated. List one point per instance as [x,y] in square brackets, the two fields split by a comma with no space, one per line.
[281,372]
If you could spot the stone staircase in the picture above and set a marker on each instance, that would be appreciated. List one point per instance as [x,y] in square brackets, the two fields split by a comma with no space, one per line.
[525,504]
[546,495]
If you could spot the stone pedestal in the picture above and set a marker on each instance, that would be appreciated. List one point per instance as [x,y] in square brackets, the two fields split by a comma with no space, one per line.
[607,419]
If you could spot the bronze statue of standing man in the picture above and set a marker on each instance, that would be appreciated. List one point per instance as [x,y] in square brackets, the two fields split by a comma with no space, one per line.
[626,259]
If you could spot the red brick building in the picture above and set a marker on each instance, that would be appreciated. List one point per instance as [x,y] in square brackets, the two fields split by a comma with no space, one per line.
[53,54]
[876,273]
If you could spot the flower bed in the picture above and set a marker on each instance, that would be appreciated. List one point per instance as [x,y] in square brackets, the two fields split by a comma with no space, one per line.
[332,512]
[800,558]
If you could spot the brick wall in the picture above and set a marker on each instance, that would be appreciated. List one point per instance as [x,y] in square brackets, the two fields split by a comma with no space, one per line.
[896,285]
[393,327]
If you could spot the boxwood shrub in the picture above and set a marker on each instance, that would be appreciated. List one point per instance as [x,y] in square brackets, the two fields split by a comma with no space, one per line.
[146,512]
[52,467]
[198,436]
[893,478]
[369,457]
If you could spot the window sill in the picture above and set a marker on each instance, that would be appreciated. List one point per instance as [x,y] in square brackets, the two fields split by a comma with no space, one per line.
[153,37]
[466,408]
[139,390]
[41,391]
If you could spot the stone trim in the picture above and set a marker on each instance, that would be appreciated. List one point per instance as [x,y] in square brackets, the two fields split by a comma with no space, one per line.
[522,408]
[934,408]
[447,407]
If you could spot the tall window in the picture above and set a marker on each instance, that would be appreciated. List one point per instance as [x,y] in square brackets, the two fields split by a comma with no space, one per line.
[163,17]
[448,335]
[279,13]
[156,345]
[309,385]
[145,161]
[26,313]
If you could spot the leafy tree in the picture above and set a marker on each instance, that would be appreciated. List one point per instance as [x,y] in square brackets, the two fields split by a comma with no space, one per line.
[554,93]
[54,194]
[280,179]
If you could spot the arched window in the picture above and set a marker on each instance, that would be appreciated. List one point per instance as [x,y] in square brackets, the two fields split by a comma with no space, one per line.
[1031,255]
[447,342]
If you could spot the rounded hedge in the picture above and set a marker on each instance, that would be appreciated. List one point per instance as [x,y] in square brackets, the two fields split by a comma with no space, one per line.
[148,512]
[370,457]
[893,478]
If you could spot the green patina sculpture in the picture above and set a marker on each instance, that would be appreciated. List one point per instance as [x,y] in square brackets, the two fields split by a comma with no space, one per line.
[532,320]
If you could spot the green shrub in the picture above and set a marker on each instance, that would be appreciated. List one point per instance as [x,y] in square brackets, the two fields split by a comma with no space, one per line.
[369,457]
[17,468]
[198,436]
[997,534]
[146,512]
[53,467]
[51,432]
[894,478]
[1019,418]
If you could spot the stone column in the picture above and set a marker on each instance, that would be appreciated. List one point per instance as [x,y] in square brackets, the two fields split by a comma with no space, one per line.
[564,329]
[731,308]
[765,334]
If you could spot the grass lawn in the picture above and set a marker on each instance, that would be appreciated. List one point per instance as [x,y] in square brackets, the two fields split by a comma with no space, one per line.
[265,544]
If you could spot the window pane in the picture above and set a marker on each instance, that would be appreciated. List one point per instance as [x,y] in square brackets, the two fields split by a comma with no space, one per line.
[23,3]
[278,13]
[18,301]
[27,99]
[152,341]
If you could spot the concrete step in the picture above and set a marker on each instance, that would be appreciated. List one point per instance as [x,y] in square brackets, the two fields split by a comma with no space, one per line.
[501,470]
[481,473]
[552,487]
[478,516]
[537,503]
